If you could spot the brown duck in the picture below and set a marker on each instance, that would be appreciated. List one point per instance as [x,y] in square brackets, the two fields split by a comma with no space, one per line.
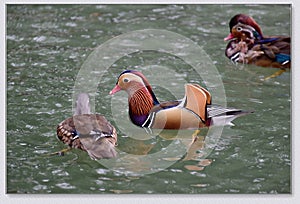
[89,132]
[248,45]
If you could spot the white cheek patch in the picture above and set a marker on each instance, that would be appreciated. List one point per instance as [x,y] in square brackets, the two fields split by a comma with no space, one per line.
[133,77]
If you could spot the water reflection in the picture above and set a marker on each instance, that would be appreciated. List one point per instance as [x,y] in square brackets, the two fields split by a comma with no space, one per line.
[140,157]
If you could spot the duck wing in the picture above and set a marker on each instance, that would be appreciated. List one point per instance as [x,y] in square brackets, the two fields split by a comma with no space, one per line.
[165,105]
[97,135]
[99,147]
[91,133]
[276,48]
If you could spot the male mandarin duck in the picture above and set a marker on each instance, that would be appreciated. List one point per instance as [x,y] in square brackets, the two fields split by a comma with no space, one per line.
[89,132]
[249,45]
[192,112]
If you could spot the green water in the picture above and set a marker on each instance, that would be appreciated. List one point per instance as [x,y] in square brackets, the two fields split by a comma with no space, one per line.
[48,44]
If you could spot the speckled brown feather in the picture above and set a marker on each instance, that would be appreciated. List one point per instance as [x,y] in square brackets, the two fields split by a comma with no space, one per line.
[66,133]
[66,130]
[99,148]
[89,132]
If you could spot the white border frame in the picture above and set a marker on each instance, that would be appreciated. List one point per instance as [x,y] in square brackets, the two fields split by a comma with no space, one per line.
[292,198]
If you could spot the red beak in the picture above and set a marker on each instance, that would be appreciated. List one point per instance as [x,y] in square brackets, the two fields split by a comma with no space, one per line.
[115,90]
[229,37]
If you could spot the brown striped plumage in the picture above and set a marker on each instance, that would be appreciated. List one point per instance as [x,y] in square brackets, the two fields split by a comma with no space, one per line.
[135,101]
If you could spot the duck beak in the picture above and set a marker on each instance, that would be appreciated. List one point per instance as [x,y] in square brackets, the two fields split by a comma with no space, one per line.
[115,90]
[229,37]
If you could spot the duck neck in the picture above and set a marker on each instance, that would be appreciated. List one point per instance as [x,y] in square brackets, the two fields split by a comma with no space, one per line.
[140,104]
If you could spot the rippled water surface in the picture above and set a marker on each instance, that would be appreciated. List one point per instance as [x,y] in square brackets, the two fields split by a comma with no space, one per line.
[46,48]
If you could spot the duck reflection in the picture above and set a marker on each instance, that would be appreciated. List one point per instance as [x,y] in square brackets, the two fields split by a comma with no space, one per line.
[163,149]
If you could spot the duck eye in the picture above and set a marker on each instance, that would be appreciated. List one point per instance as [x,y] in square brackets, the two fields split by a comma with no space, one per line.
[125,80]
[239,29]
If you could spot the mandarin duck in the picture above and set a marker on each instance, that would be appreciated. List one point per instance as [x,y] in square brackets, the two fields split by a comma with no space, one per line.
[89,132]
[248,45]
[192,112]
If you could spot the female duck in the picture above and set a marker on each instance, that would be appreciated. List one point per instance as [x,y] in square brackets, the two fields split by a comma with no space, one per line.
[249,45]
[88,132]
[192,112]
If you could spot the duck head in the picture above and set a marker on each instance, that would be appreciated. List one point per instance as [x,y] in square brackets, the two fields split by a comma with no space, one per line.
[141,98]
[244,27]
[131,81]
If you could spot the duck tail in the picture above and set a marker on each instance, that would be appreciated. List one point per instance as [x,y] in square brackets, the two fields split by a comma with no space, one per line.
[224,116]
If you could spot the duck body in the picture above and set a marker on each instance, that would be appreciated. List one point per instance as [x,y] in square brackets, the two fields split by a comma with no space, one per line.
[247,44]
[89,132]
[192,112]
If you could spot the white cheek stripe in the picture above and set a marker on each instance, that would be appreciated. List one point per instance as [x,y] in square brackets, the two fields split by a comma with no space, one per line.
[135,77]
